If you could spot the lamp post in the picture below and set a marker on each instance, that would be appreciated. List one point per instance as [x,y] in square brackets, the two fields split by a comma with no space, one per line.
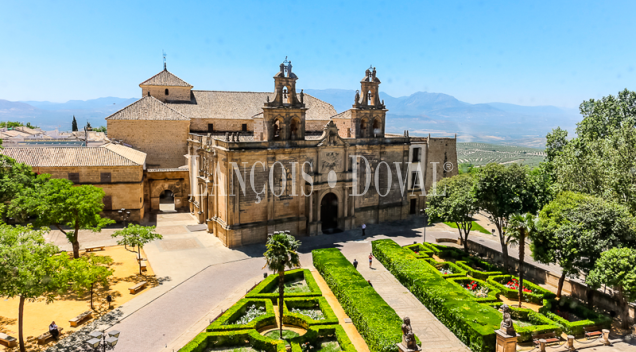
[124,215]
[425,220]
[102,338]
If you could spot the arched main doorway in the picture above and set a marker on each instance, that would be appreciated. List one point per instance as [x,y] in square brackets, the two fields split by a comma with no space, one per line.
[166,201]
[329,213]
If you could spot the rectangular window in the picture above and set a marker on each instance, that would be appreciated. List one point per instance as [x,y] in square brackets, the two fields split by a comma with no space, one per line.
[415,179]
[108,202]
[244,127]
[104,177]
[73,177]
[413,209]
[416,155]
[210,127]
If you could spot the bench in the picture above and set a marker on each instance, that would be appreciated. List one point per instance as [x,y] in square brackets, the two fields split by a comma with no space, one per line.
[143,266]
[7,340]
[96,248]
[47,335]
[78,319]
[548,337]
[592,331]
[137,287]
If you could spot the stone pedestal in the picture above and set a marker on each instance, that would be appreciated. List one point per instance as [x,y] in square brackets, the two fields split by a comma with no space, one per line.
[505,342]
[606,340]
[403,348]
[570,346]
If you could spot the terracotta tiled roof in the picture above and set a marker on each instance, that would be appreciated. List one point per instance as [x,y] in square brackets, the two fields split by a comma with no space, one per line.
[76,156]
[147,108]
[165,78]
[343,115]
[242,105]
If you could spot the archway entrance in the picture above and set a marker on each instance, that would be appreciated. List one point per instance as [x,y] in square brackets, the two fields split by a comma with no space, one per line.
[329,213]
[166,201]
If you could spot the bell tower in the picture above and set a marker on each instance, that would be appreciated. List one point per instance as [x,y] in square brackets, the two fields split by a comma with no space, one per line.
[284,117]
[368,114]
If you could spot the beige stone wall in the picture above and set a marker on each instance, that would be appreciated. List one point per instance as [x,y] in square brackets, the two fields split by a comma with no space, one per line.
[344,127]
[178,182]
[221,125]
[440,151]
[174,93]
[315,125]
[164,142]
[92,175]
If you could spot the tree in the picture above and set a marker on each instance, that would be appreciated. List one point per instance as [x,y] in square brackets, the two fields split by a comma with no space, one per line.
[519,228]
[617,268]
[14,124]
[137,235]
[86,272]
[100,129]
[74,125]
[502,191]
[59,203]
[14,178]
[281,253]
[555,143]
[457,204]
[30,268]
[576,228]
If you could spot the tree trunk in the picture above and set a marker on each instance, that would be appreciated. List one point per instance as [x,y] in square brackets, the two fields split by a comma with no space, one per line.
[560,286]
[504,250]
[139,258]
[75,248]
[20,323]
[522,252]
[92,296]
[281,292]
[624,314]
[461,237]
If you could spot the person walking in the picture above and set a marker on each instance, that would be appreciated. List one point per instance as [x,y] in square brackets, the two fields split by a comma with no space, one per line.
[364,227]
[370,284]
[53,329]
[355,264]
[370,259]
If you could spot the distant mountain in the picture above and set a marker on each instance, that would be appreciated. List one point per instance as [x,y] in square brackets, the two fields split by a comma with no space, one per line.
[99,103]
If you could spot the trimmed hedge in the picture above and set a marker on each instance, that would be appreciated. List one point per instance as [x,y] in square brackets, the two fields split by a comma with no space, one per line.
[238,309]
[537,296]
[305,303]
[493,292]
[264,288]
[446,252]
[376,321]
[457,271]
[473,323]
[319,333]
[541,323]
[576,328]
[423,251]
[491,270]
[236,338]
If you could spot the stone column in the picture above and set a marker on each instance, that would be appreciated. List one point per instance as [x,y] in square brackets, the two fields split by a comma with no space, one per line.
[570,346]
[507,343]
[606,337]
[542,343]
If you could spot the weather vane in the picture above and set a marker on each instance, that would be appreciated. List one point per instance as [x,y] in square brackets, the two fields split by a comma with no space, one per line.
[164,59]
[285,62]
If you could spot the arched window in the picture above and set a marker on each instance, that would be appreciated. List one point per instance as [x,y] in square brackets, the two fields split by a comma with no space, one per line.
[295,129]
[166,91]
[364,125]
[277,131]
[377,129]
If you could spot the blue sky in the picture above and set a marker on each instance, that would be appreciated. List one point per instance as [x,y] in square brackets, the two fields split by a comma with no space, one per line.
[522,52]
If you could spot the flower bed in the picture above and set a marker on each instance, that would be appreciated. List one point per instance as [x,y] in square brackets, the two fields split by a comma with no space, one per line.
[236,338]
[309,311]
[318,336]
[472,322]
[376,321]
[479,269]
[534,294]
[446,252]
[536,323]
[587,317]
[479,290]
[268,287]
[421,251]
[450,270]
[245,314]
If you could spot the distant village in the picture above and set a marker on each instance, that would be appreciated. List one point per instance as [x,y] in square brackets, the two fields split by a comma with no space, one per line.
[23,136]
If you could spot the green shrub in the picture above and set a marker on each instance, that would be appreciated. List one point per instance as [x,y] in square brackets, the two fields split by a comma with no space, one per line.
[376,321]
[225,321]
[492,291]
[208,340]
[472,322]
[266,288]
[446,252]
[490,269]
[589,317]
[457,271]
[308,303]
[540,323]
[423,251]
[537,295]
[319,333]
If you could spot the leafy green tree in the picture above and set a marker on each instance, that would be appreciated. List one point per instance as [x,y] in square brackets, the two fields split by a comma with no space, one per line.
[281,253]
[456,203]
[14,179]
[617,268]
[100,129]
[74,125]
[555,143]
[502,191]
[30,269]
[519,228]
[86,272]
[59,203]
[14,124]
[576,228]
[137,235]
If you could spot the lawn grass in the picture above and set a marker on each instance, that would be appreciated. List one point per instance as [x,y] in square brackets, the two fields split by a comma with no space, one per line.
[476,227]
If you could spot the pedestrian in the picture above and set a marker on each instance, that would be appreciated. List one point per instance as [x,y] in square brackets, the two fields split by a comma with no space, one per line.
[55,332]
[370,259]
[364,227]
[370,284]
[355,264]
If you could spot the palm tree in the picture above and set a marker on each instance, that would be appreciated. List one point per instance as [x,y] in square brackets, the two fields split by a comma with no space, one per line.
[281,253]
[519,228]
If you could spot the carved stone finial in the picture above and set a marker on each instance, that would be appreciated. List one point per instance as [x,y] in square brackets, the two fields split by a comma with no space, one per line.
[302,96]
[268,98]
[373,74]
[282,68]
[357,98]
[507,325]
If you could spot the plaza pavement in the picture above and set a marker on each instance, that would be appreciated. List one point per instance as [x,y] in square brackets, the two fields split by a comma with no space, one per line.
[200,277]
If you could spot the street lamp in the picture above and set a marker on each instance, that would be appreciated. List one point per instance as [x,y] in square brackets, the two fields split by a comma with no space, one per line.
[102,338]
[425,218]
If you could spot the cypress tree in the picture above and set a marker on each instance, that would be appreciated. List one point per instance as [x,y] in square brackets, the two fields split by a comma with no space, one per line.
[74,125]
